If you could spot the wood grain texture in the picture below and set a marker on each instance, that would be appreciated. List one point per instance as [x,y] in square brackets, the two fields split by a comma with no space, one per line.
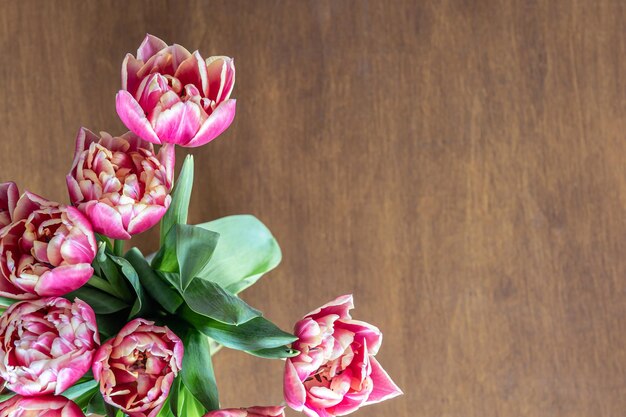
[457,164]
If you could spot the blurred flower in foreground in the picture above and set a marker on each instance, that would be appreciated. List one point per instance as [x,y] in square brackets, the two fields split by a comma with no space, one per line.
[47,250]
[119,183]
[136,368]
[276,411]
[46,345]
[170,95]
[41,406]
[336,372]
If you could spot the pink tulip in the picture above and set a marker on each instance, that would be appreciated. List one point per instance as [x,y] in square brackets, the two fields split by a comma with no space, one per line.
[172,96]
[137,367]
[8,198]
[275,411]
[41,406]
[336,372]
[119,183]
[46,251]
[46,345]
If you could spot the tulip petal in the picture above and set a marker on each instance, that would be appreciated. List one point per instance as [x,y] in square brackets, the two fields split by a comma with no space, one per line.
[179,123]
[384,387]
[193,71]
[149,47]
[130,68]
[63,279]
[217,122]
[221,75]
[293,389]
[147,218]
[132,115]
[106,220]
[340,306]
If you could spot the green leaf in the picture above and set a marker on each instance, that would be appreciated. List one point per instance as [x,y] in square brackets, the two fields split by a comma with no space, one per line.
[197,372]
[179,207]
[141,302]
[110,324]
[246,250]
[275,353]
[188,405]
[82,392]
[101,302]
[187,250]
[254,335]
[96,404]
[110,271]
[210,300]
[156,286]
[6,302]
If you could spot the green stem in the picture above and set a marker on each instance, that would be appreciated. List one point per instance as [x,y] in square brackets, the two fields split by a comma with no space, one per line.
[118,247]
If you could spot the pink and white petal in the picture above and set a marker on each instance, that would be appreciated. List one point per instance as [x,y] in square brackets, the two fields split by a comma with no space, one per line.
[106,221]
[130,68]
[149,47]
[384,387]
[293,389]
[63,279]
[73,188]
[179,123]
[147,218]
[193,71]
[216,124]
[8,290]
[221,76]
[9,195]
[133,116]
[167,157]
[340,306]
[369,332]
[72,373]
[27,203]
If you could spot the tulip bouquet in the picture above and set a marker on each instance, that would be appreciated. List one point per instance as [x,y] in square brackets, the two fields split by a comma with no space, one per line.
[89,328]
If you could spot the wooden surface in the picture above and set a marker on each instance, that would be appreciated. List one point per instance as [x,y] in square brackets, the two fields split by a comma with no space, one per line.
[459,165]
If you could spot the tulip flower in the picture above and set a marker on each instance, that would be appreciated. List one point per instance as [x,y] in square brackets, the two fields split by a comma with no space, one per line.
[119,183]
[336,372]
[275,411]
[137,367]
[47,250]
[46,345]
[8,198]
[170,95]
[41,406]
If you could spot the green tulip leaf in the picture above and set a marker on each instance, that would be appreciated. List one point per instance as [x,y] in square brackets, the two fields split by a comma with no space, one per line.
[197,375]
[179,207]
[187,250]
[156,286]
[254,335]
[246,250]
[210,300]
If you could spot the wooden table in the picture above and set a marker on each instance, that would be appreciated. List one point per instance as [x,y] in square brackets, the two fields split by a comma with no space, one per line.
[460,166]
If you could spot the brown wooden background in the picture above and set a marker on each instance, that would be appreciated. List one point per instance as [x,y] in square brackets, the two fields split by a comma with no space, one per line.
[458,165]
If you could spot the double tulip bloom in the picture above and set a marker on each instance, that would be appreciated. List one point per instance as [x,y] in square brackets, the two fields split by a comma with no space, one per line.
[336,372]
[46,345]
[46,249]
[137,367]
[120,183]
[170,95]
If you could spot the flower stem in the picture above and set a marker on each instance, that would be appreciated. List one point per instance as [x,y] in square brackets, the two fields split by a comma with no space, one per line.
[111,411]
[118,247]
